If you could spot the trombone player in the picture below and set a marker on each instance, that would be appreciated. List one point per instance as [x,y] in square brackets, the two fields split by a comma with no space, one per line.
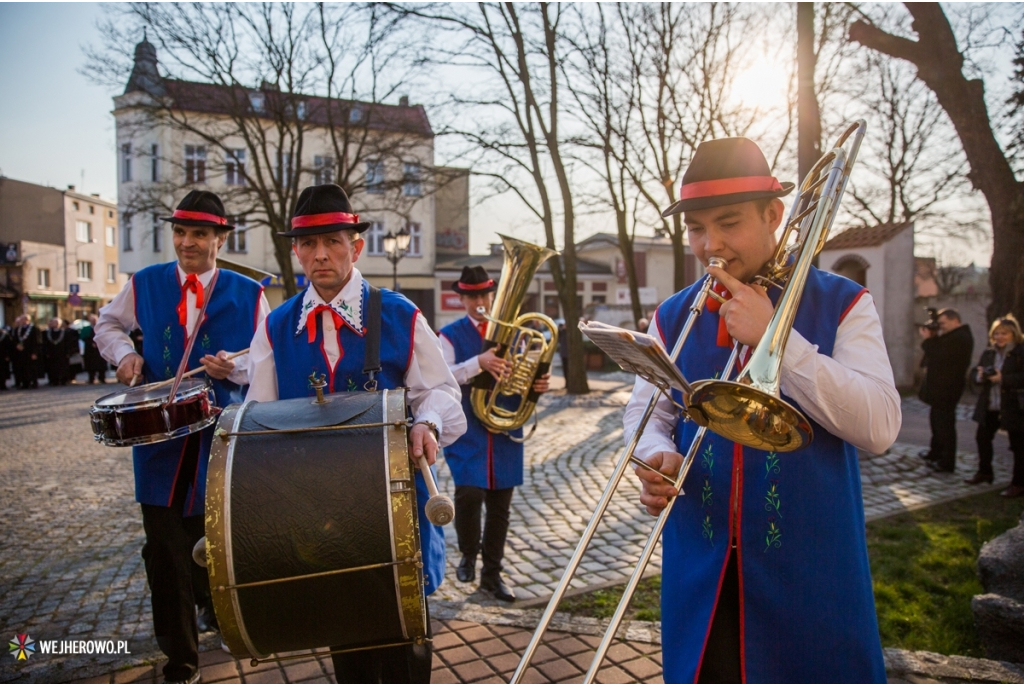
[485,466]
[765,567]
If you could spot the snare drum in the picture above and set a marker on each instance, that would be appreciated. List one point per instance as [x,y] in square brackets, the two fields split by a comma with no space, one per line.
[311,532]
[138,416]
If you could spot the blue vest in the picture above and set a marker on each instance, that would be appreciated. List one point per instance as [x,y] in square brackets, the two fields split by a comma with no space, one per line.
[295,359]
[229,325]
[807,612]
[480,458]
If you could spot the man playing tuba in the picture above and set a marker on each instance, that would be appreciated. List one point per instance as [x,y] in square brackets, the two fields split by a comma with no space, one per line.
[486,466]
[765,569]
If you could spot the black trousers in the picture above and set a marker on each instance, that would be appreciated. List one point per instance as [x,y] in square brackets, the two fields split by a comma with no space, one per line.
[987,429]
[176,582]
[943,421]
[468,501]
[721,660]
[403,664]
[1017,447]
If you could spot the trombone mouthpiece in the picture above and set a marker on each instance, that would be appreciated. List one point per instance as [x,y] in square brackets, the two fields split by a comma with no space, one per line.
[481,310]
[716,262]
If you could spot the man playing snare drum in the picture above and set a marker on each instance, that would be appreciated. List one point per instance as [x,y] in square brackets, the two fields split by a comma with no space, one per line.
[324,329]
[164,301]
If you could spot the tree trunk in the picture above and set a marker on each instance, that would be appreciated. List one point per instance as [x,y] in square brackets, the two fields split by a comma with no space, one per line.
[629,261]
[283,253]
[808,115]
[939,65]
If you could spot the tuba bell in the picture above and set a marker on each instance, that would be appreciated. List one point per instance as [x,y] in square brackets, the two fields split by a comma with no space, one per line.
[507,404]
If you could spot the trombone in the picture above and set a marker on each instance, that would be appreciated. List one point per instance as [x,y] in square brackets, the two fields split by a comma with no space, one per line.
[748,410]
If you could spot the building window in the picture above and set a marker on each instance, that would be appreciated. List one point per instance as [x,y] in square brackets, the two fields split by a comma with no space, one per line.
[111,236]
[235,168]
[85,271]
[111,273]
[375,177]
[257,101]
[195,164]
[355,115]
[75,206]
[110,214]
[598,299]
[83,231]
[599,287]
[301,110]
[43,276]
[126,223]
[284,169]
[126,163]
[92,210]
[415,241]
[158,235]
[324,170]
[375,239]
[154,163]
[236,238]
[411,186]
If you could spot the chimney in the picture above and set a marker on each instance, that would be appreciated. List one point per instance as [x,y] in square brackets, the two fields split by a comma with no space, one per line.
[71,188]
[95,194]
[403,101]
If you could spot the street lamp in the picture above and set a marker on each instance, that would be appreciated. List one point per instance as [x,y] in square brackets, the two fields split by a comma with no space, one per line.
[395,247]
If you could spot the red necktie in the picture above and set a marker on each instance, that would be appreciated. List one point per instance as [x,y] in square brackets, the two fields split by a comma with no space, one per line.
[313,317]
[724,339]
[482,327]
[191,283]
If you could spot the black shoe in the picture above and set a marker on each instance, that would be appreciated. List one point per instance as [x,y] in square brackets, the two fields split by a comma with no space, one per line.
[466,572]
[934,466]
[206,619]
[498,588]
[926,455]
[979,478]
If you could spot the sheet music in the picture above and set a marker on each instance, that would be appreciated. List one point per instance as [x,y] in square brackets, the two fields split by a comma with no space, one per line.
[638,353]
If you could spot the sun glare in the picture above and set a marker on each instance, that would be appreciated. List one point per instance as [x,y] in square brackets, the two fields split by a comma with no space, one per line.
[762,85]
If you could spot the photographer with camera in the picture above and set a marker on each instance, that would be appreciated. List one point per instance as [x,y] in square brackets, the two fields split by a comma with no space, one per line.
[948,346]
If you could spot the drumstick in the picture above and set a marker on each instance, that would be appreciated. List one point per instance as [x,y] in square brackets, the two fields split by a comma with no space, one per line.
[195,371]
[439,508]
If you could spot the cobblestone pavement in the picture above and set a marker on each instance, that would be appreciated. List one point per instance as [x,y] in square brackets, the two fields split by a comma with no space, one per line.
[71,569]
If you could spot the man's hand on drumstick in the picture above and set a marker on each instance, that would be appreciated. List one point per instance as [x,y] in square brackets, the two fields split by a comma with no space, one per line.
[748,313]
[219,366]
[423,442]
[130,368]
[655,491]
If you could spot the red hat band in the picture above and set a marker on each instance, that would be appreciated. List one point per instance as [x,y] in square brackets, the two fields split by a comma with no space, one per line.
[199,216]
[476,286]
[729,186]
[306,220]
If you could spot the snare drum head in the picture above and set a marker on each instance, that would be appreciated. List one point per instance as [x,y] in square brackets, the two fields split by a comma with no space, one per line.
[153,392]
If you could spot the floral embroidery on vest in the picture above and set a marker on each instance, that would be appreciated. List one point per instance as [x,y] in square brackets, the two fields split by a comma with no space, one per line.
[773,501]
[205,343]
[167,352]
[707,462]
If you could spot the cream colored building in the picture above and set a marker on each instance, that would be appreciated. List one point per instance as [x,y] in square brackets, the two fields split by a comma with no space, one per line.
[63,241]
[161,159]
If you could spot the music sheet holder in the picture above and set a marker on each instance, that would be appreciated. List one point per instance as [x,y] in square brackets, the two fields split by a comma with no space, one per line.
[637,353]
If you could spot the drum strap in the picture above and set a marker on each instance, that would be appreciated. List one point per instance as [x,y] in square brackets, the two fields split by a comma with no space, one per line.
[371,360]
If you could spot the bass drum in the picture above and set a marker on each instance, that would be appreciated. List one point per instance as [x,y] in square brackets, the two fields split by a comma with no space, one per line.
[311,531]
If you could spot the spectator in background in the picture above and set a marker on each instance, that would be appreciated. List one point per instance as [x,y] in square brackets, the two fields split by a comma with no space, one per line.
[1011,410]
[56,353]
[948,346]
[6,348]
[95,364]
[1003,336]
[25,357]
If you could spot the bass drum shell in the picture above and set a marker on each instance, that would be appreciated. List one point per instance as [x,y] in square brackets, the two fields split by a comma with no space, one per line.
[281,508]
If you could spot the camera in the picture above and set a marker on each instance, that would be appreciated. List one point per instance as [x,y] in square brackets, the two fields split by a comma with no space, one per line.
[933,319]
[989,371]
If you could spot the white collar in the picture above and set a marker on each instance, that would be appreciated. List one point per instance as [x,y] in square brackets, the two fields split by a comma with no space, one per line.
[348,303]
[204,277]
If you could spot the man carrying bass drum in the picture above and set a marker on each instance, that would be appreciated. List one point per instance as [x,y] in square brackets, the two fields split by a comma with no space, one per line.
[322,329]
[765,567]
[164,301]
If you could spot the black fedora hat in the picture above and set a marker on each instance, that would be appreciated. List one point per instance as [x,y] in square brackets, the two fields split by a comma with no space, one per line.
[200,208]
[725,172]
[473,281]
[324,209]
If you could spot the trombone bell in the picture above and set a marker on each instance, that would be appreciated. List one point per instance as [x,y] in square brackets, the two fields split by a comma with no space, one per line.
[749,416]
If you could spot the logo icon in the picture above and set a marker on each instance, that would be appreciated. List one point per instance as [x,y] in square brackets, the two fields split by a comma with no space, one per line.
[22,647]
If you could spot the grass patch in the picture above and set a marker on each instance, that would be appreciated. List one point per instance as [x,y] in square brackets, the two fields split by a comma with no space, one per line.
[924,568]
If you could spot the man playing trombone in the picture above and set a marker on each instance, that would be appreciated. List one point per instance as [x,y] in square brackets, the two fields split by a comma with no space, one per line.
[765,568]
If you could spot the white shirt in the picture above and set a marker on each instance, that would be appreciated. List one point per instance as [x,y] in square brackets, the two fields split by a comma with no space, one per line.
[433,394]
[851,394]
[468,369]
[117,320]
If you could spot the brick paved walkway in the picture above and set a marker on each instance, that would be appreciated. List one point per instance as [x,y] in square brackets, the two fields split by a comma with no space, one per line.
[71,568]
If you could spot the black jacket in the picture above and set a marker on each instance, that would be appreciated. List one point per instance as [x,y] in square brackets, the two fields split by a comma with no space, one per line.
[988,358]
[1011,413]
[947,357]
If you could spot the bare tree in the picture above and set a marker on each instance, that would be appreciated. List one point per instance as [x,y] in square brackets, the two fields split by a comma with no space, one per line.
[516,126]
[940,64]
[257,86]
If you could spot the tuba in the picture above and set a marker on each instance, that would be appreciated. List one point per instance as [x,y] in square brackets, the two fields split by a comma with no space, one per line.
[748,410]
[505,405]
